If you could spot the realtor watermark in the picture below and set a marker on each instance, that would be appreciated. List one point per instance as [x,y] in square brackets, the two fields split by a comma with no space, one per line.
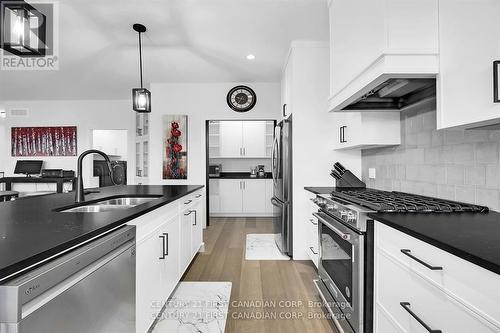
[29,35]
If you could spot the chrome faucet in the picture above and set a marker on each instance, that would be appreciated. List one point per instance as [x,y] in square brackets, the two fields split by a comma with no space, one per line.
[79,193]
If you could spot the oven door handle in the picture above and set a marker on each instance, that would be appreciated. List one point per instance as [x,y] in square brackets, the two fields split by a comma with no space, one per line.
[342,235]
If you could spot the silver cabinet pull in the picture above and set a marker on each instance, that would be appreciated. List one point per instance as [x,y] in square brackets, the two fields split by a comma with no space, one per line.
[407,252]
[406,306]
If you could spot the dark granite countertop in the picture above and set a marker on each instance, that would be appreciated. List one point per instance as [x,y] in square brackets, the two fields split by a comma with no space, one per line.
[474,237]
[241,175]
[320,190]
[31,230]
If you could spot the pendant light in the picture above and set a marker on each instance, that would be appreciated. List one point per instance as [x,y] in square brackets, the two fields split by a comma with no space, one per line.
[141,97]
[23,29]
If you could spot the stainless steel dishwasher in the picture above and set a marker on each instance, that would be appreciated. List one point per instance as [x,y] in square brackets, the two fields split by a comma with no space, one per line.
[90,289]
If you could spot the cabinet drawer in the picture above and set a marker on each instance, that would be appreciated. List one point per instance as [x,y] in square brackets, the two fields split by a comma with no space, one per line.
[477,287]
[399,291]
[312,239]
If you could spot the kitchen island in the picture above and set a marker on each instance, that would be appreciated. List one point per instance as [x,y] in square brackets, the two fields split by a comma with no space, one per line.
[37,232]
[33,230]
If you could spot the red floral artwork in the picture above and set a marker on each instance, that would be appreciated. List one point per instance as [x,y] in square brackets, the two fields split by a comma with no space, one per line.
[175,141]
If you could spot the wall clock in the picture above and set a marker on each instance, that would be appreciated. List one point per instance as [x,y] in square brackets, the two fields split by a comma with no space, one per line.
[241,99]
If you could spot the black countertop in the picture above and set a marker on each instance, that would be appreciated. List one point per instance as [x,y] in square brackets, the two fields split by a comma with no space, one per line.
[31,230]
[474,237]
[320,190]
[240,175]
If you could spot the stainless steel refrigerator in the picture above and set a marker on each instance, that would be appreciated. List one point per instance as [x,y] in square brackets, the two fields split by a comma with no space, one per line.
[282,181]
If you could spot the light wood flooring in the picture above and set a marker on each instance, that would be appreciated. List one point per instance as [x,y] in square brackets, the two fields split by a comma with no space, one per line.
[267,296]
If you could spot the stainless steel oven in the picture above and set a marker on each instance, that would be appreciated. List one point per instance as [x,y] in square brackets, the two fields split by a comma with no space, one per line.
[345,265]
[341,269]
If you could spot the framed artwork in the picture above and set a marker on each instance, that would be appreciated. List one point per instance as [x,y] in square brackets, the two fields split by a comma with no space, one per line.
[44,141]
[175,141]
[496,81]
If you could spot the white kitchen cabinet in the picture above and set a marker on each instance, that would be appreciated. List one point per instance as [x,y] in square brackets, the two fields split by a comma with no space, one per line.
[185,239]
[469,33]
[197,226]
[157,271]
[242,197]
[242,139]
[364,130]
[231,138]
[231,196]
[464,294]
[254,200]
[372,40]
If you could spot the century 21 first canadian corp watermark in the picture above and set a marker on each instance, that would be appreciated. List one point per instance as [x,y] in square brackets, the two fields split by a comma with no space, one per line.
[29,35]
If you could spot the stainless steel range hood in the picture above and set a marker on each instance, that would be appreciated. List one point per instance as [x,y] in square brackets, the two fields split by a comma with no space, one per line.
[395,95]
[394,82]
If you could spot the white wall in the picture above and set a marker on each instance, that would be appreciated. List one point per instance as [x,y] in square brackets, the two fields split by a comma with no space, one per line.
[86,115]
[314,132]
[201,102]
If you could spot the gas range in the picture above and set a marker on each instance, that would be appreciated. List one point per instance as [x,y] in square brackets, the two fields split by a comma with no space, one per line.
[352,205]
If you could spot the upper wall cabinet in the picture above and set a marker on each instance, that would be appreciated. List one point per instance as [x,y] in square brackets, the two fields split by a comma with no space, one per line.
[469,34]
[244,139]
[375,44]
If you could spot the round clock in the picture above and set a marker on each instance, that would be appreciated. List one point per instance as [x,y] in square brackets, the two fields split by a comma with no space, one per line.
[241,99]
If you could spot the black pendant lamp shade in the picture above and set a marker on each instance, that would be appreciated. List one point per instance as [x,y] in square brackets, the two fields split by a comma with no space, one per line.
[141,97]
[23,29]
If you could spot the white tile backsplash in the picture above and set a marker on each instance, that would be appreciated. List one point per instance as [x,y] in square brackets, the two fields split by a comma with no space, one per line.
[451,164]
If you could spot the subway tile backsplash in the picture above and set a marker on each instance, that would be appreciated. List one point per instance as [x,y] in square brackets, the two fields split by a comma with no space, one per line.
[451,164]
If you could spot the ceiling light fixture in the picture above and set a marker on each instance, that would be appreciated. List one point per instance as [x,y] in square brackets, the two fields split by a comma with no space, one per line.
[23,29]
[250,57]
[141,97]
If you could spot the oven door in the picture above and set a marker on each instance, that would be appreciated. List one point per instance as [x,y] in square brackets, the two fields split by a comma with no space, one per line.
[341,267]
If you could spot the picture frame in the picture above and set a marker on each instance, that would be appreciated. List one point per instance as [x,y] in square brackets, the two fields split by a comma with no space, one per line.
[496,81]
[175,147]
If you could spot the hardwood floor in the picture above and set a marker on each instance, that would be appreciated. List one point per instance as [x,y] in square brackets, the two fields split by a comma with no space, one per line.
[267,296]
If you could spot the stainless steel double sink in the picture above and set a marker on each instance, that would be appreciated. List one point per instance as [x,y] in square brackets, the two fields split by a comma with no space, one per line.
[111,204]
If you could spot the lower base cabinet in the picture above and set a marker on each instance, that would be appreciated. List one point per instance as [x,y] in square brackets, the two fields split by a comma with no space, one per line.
[455,296]
[241,197]
[168,239]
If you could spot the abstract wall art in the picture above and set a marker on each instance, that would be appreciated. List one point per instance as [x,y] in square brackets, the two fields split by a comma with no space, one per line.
[44,141]
[175,141]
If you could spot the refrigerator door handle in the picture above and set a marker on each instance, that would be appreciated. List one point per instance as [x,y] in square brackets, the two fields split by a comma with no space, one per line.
[275,160]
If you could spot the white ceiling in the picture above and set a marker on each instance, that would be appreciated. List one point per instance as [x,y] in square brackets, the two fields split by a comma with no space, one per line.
[187,41]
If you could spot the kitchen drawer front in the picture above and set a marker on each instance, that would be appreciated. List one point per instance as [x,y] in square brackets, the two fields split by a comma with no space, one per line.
[312,239]
[471,284]
[396,284]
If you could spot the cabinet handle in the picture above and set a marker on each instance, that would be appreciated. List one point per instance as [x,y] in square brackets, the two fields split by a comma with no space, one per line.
[244,185]
[198,196]
[407,252]
[195,217]
[406,306]
[312,221]
[188,213]
[342,134]
[188,202]
[284,110]
[312,250]
[164,238]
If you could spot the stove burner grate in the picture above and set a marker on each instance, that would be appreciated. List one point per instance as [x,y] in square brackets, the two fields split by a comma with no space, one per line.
[400,202]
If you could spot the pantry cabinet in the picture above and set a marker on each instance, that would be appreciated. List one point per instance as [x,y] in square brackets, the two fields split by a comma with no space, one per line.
[466,296]
[357,130]
[243,139]
[241,197]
